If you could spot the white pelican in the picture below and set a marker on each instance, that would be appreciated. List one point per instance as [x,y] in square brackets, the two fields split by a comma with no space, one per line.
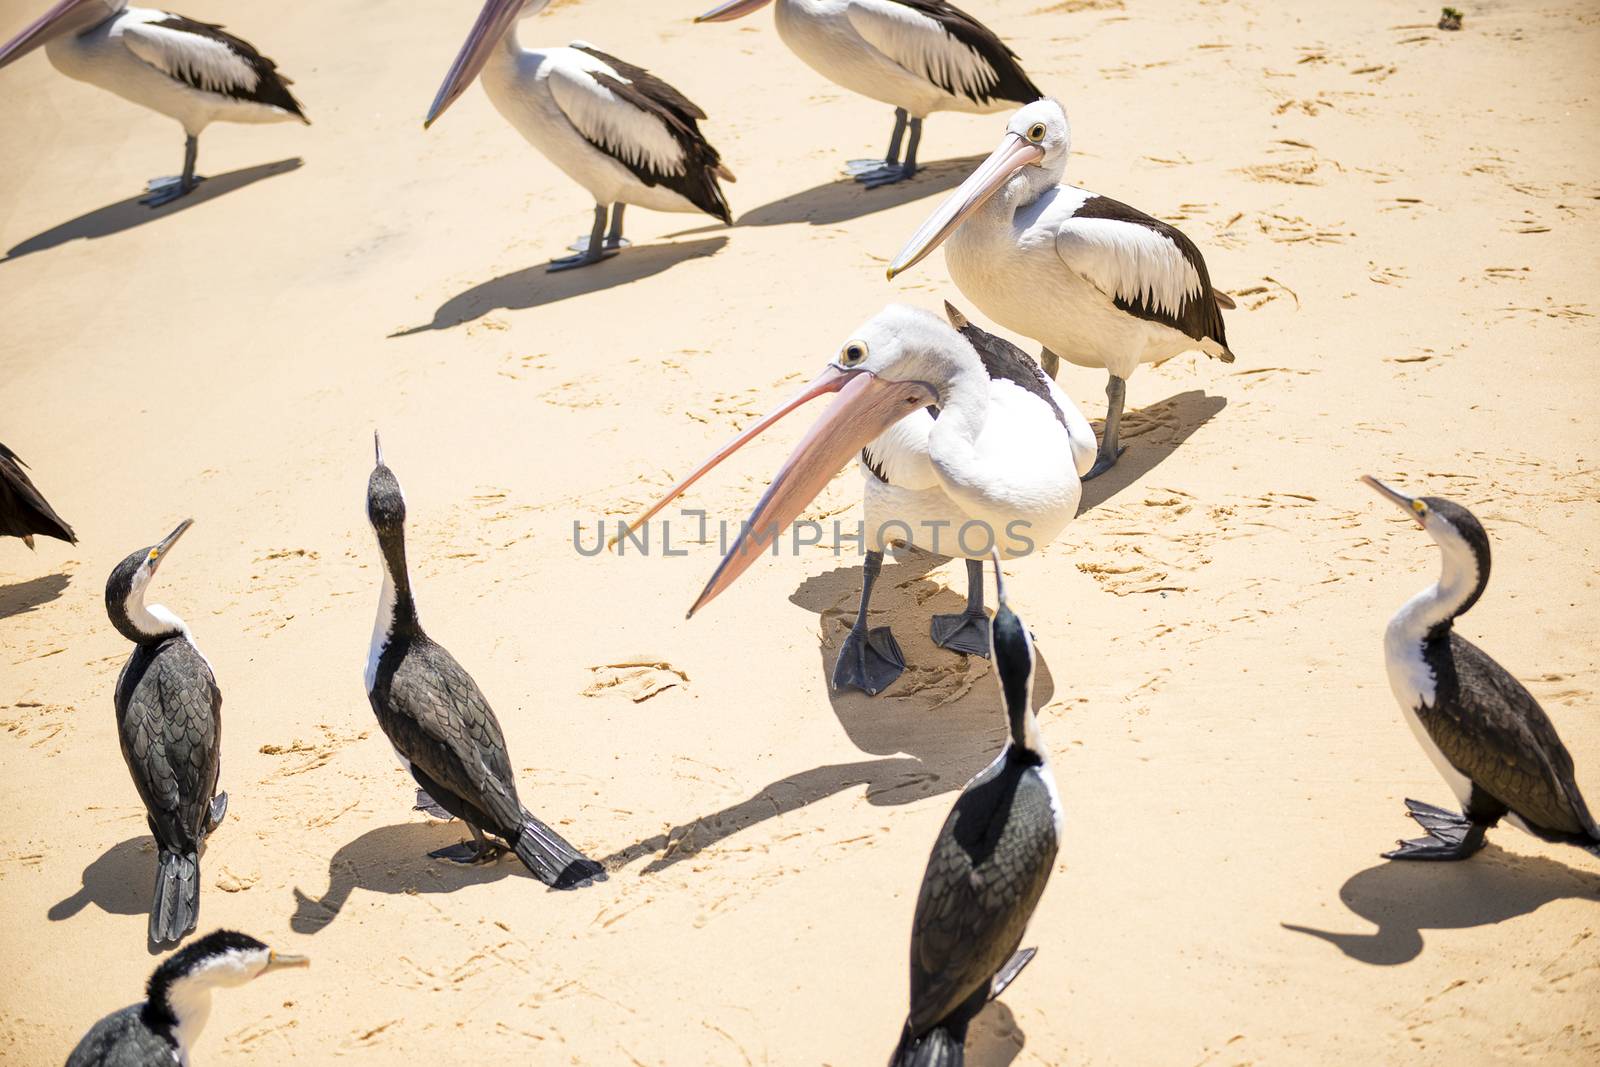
[965,447]
[1099,282]
[919,56]
[189,71]
[617,130]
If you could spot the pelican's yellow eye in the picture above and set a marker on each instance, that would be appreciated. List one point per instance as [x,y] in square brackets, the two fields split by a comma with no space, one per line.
[853,353]
[1036,132]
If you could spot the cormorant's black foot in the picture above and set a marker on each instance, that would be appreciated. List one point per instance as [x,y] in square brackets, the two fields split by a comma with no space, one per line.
[219,809]
[1434,819]
[1445,844]
[886,175]
[431,806]
[967,633]
[611,244]
[1013,967]
[166,190]
[1104,462]
[869,662]
[468,852]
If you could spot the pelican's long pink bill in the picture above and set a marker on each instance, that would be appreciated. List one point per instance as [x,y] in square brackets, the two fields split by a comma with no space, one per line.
[991,176]
[66,16]
[733,9]
[865,407]
[493,22]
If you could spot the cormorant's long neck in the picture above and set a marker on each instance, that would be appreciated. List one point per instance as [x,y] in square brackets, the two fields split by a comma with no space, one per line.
[188,1004]
[141,624]
[397,611]
[1462,580]
[1018,693]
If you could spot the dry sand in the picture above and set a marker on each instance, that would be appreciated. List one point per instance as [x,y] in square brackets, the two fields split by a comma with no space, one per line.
[1408,218]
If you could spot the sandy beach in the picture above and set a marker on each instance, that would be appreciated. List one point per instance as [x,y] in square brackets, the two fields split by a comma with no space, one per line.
[1406,218]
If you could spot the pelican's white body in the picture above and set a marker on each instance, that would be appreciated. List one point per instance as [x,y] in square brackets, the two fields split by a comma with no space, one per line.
[853,43]
[996,456]
[107,57]
[533,89]
[1007,260]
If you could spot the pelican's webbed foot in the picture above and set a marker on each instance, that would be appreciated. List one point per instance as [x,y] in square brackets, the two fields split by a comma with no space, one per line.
[967,632]
[869,660]
[166,190]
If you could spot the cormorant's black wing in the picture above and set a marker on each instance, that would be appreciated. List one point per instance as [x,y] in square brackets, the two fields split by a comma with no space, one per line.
[122,1039]
[435,715]
[171,733]
[986,874]
[23,509]
[1492,730]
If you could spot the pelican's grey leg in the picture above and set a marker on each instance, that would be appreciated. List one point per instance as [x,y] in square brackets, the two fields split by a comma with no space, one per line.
[862,167]
[1116,393]
[891,174]
[969,631]
[166,190]
[614,239]
[869,660]
[592,251]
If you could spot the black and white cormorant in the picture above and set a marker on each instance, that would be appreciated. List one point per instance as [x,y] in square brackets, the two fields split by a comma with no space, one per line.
[988,869]
[169,719]
[24,511]
[162,1029]
[441,726]
[1489,738]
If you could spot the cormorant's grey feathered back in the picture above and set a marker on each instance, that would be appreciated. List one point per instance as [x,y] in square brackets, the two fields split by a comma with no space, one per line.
[169,723]
[440,724]
[986,874]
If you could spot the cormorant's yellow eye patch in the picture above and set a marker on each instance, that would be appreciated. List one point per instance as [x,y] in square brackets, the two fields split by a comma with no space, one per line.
[1418,506]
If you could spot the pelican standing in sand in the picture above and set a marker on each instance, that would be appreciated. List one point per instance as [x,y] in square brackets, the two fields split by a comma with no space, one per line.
[1099,283]
[617,130]
[965,448]
[190,71]
[918,56]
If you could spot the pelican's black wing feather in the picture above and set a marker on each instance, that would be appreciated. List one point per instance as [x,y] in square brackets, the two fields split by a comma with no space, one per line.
[1011,82]
[1006,362]
[263,84]
[23,509]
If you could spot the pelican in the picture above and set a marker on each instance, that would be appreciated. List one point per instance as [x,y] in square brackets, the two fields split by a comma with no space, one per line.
[918,56]
[190,71]
[617,130]
[965,448]
[1099,282]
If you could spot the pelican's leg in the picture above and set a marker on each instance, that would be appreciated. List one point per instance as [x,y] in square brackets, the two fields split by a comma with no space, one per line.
[969,631]
[898,173]
[1116,393]
[1049,361]
[869,660]
[862,167]
[479,850]
[614,239]
[593,250]
[166,190]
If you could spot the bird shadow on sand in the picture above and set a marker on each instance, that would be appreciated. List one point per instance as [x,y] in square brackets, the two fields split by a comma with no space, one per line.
[534,286]
[394,859]
[936,727]
[1151,434]
[846,198]
[119,882]
[1403,899]
[994,1039]
[126,214]
[26,596]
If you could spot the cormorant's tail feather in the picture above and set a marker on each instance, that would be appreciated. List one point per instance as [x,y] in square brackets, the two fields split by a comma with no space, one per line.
[1007,974]
[1594,848]
[551,859]
[175,909]
[936,1048]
